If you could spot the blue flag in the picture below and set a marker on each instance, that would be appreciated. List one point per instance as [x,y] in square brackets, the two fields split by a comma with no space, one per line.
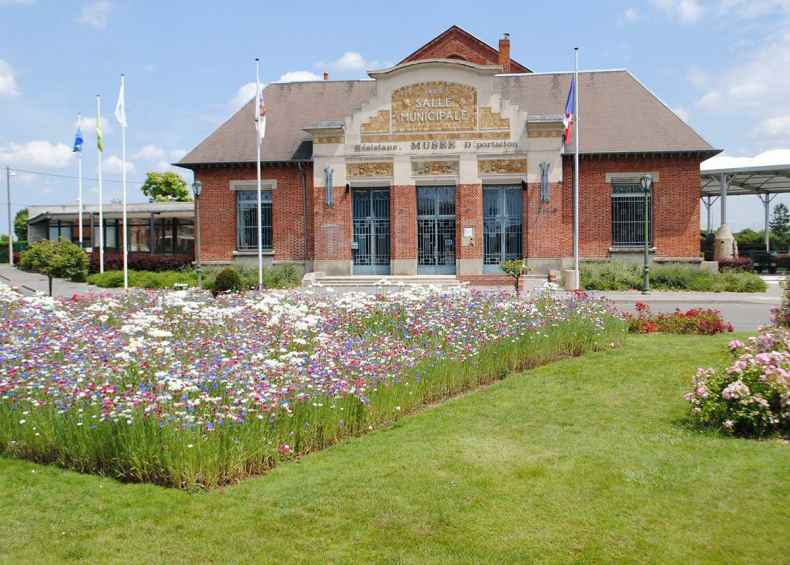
[78,140]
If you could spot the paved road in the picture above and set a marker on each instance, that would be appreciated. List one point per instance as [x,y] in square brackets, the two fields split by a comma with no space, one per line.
[30,283]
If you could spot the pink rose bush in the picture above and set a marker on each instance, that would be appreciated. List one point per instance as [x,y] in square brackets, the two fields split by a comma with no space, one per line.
[751,397]
[182,390]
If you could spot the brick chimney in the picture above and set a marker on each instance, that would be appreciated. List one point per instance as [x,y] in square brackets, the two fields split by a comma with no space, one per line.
[504,52]
[326,75]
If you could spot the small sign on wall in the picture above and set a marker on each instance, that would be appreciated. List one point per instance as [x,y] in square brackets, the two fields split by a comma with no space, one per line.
[468,236]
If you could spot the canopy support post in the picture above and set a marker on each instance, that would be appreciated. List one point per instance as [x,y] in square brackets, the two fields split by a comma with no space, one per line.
[766,199]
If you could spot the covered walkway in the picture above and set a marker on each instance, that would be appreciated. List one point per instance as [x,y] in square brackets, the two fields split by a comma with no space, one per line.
[763,181]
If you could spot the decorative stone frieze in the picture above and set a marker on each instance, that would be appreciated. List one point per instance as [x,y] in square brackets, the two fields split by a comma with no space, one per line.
[492,120]
[502,166]
[379,123]
[454,136]
[552,129]
[328,139]
[434,168]
[374,169]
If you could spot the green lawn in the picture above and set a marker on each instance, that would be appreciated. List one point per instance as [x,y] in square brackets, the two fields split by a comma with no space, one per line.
[585,460]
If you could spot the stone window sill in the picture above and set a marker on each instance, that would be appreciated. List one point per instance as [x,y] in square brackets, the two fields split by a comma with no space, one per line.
[631,249]
[252,252]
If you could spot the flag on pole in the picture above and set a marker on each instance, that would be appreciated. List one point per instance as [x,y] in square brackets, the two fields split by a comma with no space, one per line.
[120,106]
[99,133]
[78,139]
[568,119]
[260,112]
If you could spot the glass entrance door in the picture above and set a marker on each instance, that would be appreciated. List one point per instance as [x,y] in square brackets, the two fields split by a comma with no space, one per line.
[370,247]
[436,230]
[502,226]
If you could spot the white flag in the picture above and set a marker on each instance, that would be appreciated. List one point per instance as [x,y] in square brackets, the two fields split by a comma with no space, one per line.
[120,106]
[260,106]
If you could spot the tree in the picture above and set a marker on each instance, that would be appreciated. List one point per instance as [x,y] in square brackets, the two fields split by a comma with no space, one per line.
[166,187]
[61,259]
[780,223]
[20,225]
[515,268]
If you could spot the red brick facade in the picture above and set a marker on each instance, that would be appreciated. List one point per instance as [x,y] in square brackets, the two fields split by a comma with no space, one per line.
[547,225]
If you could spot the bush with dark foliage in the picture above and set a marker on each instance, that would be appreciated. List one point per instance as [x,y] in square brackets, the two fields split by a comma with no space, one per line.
[736,264]
[140,262]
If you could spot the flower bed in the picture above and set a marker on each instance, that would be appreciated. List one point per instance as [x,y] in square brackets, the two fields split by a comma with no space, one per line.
[751,397]
[702,321]
[181,390]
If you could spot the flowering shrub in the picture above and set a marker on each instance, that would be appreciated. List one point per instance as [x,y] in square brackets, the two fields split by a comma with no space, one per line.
[751,397]
[702,321]
[182,390]
[736,264]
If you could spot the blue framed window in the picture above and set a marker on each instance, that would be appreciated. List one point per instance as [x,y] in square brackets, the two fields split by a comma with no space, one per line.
[247,220]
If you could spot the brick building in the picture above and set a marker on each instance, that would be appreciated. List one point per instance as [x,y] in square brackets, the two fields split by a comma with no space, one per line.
[448,163]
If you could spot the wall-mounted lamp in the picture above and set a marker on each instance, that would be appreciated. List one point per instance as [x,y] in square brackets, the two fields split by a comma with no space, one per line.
[329,194]
[348,188]
[523,185]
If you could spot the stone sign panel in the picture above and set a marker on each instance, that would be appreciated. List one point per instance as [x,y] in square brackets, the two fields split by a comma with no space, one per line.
[434,106]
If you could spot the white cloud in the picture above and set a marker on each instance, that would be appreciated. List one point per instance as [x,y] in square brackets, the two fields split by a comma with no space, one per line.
[631,15]
[350,61]
[95,14]
[89,125]
[711,101]
[8,84]
[36,154]
[697,77]
[244,94]
[686,11]
[295,76]
[777,126]
[149,153]
[114,164]
[177,154]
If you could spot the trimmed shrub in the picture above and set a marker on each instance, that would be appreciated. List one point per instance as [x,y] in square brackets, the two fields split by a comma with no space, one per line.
[617,275]
[227,280]
[143,279]
[56,259]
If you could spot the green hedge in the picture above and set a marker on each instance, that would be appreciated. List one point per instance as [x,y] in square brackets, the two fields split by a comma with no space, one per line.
[280,276]
[614,275]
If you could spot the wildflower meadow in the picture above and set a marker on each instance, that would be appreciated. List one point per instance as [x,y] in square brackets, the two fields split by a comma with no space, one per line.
[180,389]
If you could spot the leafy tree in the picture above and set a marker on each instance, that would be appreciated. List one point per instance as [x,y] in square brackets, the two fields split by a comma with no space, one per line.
[166,187]
[780,222]
[515,268]
[20,225]
[61,259]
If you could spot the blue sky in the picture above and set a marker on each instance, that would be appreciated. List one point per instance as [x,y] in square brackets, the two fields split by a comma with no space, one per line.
[720,64]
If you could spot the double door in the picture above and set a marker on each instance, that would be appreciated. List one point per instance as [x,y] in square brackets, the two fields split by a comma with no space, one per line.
[436,230]
[371,231]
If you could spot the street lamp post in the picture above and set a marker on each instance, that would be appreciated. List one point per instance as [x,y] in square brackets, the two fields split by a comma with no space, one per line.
[197,188]
[646,182]
[8,174]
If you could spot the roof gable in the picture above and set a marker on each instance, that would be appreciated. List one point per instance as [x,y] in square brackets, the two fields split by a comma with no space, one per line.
[456,43]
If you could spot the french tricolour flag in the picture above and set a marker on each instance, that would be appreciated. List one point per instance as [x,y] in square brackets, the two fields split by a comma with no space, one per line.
[568,119]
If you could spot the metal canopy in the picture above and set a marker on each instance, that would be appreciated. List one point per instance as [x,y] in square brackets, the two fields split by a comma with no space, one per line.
[768,179]
[764,181]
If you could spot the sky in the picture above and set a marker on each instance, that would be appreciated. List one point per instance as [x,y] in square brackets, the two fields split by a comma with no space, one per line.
[722,65]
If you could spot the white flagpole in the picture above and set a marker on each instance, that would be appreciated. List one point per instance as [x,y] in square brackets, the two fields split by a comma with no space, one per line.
[576,251]
[79,181]
[258,166]
[123,180]
[101,197]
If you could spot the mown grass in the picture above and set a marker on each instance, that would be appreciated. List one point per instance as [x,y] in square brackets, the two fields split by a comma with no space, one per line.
[614,275]
[147,450]
[585,460]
